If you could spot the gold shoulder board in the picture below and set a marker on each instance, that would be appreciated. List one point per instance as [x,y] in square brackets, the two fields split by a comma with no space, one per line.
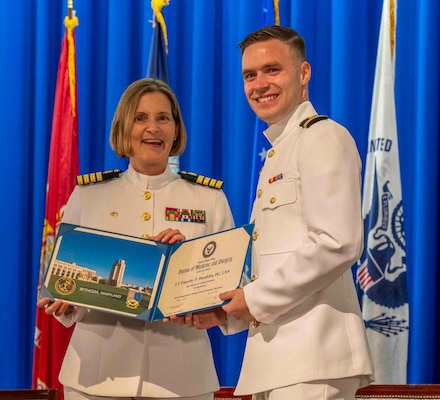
[309,121]
[201,180]
[97,177]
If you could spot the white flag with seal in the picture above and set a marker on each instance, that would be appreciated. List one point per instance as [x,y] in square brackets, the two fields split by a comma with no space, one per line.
[381,272]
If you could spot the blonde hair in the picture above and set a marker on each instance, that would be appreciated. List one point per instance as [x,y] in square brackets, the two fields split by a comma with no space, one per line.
[124,116]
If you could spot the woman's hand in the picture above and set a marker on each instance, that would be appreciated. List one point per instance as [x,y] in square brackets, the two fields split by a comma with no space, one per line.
[186,319]
[169,235]
[57,307]
[200,320]
[209,318]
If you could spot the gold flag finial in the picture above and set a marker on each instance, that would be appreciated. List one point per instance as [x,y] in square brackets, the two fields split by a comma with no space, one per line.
[276,11]
[157,6]
[392,26]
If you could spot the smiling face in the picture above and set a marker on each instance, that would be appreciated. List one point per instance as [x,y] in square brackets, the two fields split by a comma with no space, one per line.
[275,79]
[152,134]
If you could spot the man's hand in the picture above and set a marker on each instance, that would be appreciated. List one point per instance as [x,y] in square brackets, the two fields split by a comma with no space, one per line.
[237,306]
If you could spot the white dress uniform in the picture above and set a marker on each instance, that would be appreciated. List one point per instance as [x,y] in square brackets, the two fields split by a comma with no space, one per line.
[124,357]
[308,233]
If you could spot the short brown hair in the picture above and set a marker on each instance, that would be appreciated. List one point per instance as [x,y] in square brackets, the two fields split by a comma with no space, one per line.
[283,33]
[125,111]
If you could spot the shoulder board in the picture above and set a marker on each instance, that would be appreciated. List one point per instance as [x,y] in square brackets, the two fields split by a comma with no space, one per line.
[309,121]
[97,177]
[201,180]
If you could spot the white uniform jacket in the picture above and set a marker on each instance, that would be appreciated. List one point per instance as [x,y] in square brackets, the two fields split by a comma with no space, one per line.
[308,234]
[120,356]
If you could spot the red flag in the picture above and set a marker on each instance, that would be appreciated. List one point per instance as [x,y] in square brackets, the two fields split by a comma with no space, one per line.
[51,338]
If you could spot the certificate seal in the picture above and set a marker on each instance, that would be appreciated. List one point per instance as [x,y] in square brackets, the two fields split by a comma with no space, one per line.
[209,249]
[65,286]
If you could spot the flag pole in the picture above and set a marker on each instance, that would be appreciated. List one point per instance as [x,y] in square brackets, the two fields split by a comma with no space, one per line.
[382,271]
[157,63]
[70,9]
[270,16]
[52,338]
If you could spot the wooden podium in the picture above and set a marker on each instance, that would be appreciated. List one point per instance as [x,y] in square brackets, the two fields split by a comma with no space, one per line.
[30,394]
[227,393]
[397,392]
[372,392]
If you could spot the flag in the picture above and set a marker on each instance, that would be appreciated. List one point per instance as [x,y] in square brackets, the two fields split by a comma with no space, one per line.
[381,272]
[261,144]
[51,338]
[158,61]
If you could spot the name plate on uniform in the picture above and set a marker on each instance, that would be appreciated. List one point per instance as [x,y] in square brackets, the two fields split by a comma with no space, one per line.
[142,278]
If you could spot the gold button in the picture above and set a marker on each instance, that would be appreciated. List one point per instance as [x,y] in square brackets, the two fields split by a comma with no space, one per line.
[253,278]
[145,236]
[270,153]
[254,235]
[254,324]
[114,214]
[147,195]
[146,216]
[259,192]
[272,200]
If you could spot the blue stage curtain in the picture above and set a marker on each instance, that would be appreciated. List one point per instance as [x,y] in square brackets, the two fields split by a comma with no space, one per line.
[113,42]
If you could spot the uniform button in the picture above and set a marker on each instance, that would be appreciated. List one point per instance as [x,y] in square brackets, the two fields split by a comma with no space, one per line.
[254,324]
[147,195]
[270,153]
[145,236]
[272,200]
[114,214]
[254,235]
[259,193]
[146,216]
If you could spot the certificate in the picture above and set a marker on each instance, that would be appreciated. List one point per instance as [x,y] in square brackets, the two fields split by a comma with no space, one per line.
[142,278]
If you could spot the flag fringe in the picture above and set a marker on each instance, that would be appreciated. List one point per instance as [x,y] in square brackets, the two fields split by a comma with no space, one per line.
[157,6]
[392,27]
[70,24]
[276,10]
